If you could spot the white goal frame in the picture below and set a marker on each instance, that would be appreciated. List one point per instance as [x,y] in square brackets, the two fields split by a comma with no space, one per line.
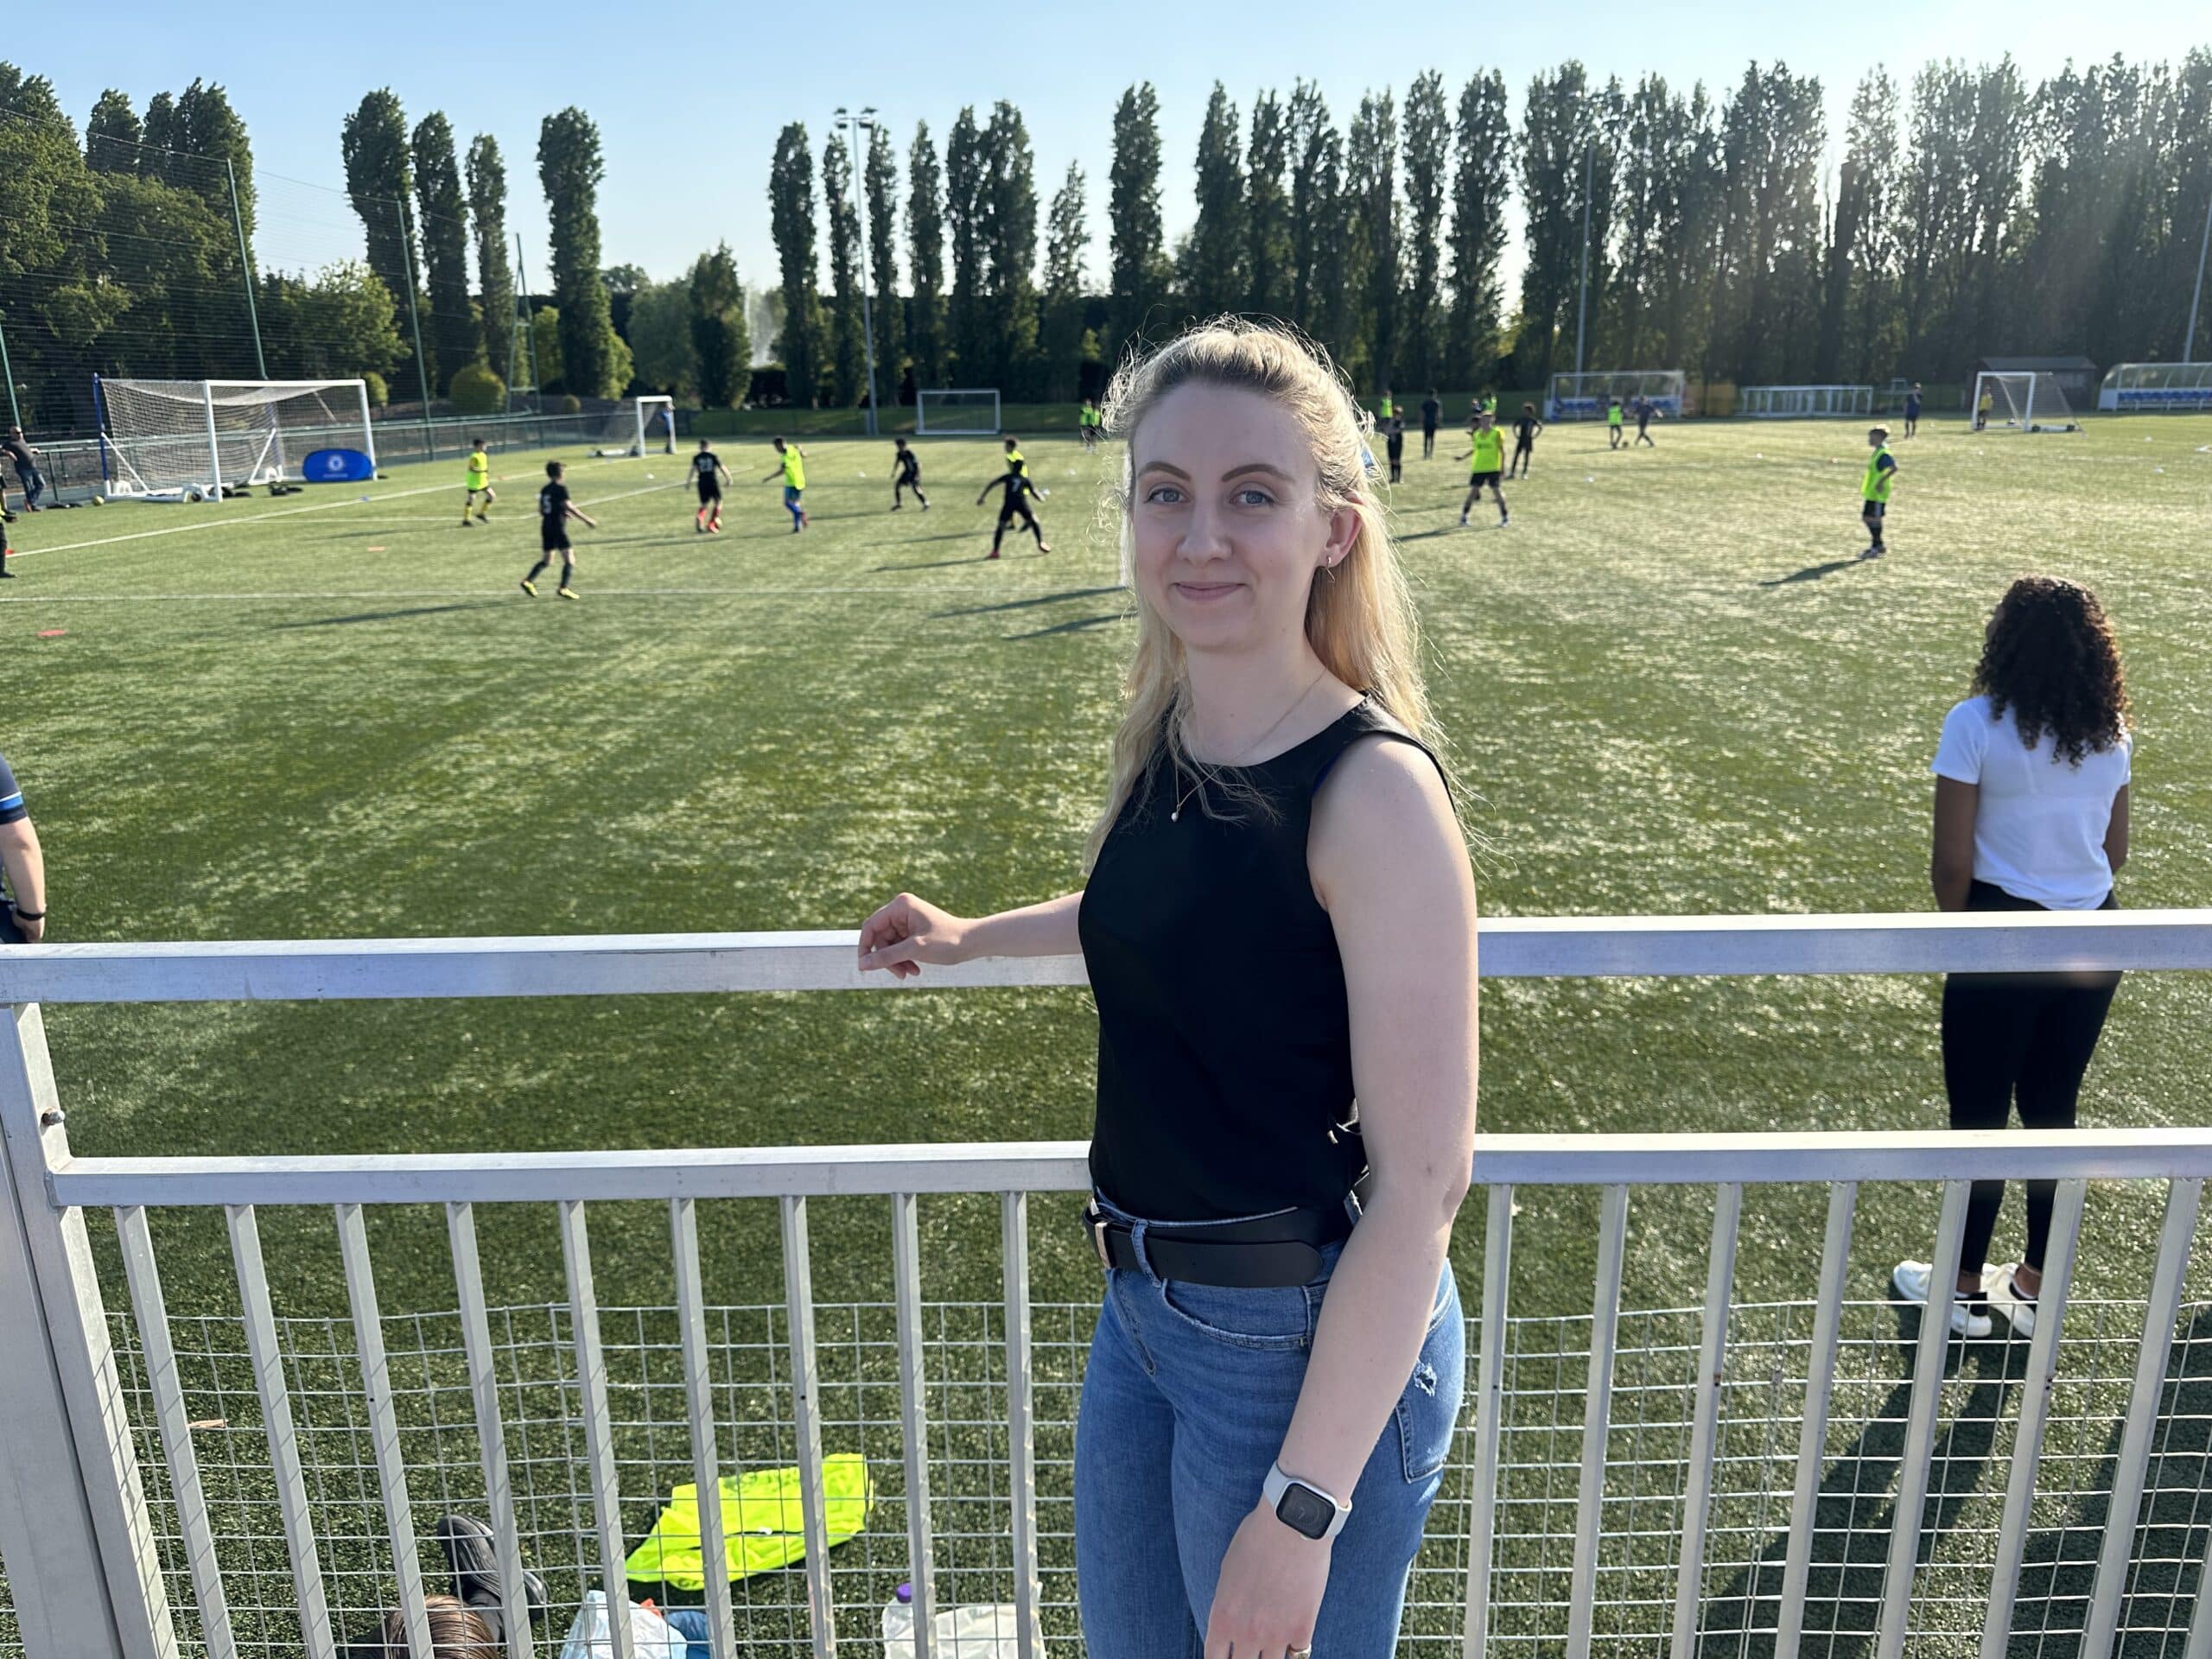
[215,443]
[949,424]
[2151,388]
[629,430]
[1583,397]
[1802,402]
[2022,400]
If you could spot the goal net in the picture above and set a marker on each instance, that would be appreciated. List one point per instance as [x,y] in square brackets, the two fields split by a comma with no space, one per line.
[2020,401]
[178,440]
[1803,403]
[638,426]
[1584,396]
[2147,387]
[956,414]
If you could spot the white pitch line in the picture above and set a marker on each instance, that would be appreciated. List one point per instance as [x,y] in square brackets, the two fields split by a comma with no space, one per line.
[289,512]
[488,593]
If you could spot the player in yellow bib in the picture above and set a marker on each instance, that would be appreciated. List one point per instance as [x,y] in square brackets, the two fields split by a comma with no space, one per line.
[793,473]
[1874,490]
[1488,453]
[479,484]
[1613,433]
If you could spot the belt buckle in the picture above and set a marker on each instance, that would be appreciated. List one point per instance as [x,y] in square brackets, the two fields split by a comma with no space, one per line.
[1098,1225]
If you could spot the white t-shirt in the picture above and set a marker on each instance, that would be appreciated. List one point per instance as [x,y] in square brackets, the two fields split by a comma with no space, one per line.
[2039,824]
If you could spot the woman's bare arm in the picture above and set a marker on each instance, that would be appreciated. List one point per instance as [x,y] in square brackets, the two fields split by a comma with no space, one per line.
[1950,864]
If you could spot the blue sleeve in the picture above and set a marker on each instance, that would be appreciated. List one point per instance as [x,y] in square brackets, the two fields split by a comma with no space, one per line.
[1885,464]
[11,798]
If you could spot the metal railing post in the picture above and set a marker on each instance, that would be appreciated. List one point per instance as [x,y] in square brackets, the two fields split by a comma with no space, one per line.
[74,1530]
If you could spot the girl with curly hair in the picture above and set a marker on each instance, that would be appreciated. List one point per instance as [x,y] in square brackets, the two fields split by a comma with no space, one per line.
[2031,779]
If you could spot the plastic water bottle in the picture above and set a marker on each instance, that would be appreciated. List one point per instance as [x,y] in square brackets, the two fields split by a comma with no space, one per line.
[982,1633]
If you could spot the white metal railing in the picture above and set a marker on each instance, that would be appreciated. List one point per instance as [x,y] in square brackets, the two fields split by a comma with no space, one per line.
[97,1565]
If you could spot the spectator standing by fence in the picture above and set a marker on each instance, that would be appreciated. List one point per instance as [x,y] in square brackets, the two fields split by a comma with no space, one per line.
[2032,779]
[22,919]
[24,459]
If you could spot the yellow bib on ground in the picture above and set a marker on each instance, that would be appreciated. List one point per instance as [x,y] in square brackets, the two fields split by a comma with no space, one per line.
[764,1524]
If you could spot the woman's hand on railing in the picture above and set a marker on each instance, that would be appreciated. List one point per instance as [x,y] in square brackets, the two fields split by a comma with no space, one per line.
[909,931]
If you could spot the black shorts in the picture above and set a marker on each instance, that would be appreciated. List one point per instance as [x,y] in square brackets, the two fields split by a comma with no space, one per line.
[1875,509]
[553,539]
[1478,480]
[710,489]
[1524,445]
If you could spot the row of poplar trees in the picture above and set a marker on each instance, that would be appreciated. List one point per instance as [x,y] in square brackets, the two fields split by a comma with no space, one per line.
[1972,215]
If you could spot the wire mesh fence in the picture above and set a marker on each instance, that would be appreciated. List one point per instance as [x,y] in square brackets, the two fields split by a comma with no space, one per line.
[1546,1374]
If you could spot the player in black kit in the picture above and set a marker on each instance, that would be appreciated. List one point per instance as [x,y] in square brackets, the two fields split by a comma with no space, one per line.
[553,511]
[1016,482]
[905,474]
[1524,440]
[708,472]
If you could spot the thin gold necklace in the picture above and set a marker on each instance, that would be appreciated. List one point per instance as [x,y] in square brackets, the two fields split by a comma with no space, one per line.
[1176,816]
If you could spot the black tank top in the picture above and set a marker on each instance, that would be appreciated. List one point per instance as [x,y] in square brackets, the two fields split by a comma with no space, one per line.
[1225,1040]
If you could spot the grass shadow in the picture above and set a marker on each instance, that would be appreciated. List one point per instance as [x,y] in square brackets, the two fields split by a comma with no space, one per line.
[389,616]
[1076,627]
[1024,604]
[1814,572]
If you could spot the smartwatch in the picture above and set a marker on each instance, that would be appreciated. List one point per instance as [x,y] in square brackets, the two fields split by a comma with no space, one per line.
[1304,1509]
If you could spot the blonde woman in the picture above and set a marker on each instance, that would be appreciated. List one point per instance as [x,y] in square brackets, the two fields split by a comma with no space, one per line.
[1279,925]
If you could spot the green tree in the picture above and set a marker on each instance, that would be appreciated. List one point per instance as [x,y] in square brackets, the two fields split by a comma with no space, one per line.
[1217,271]
[848,338]
[1067,235]
[1009,202]
[790,202]
[1370,187]
[379,178]
[1481,183]
[1427,153]
[347,322]
[113,134]
[1267,210]
[165,133]
[456,339]
[1316,168]
[1772,136]
[488,208]
[1136,240]
[569,169]
[215,135]
[925,258]
[661,347]
[720,339]
[545,347]
[964,216]
[1560,149]
[881,184]
[1859,275]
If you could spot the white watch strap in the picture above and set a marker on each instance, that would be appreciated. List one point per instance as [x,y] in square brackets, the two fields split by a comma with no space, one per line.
[1277,1483]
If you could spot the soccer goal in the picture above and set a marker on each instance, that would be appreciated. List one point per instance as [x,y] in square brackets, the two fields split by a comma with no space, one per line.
[192,440]
[956,414]
[638,426]
[1803,403]
[2147,388]
[2020,401]
[1584,396]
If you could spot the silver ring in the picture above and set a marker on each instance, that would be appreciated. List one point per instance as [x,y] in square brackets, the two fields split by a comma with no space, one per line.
[1298,1653]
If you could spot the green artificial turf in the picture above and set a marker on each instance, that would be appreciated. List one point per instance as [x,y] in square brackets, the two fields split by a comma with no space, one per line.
[1669,687]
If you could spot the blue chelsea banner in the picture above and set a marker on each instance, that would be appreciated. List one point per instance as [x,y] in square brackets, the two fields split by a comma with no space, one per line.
[338,467]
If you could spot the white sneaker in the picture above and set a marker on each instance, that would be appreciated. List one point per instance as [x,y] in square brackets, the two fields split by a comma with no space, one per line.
[1910,1278]
[2019,1310]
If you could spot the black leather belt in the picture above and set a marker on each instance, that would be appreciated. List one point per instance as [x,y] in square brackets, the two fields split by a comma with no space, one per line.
[1269,1253]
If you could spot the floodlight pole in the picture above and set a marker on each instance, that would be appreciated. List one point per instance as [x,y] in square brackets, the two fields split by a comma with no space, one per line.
[855,125]
[414,322]
[246,265]
[1582,303]
[2204,244]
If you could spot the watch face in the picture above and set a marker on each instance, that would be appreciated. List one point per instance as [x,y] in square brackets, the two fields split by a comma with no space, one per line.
[1303,1509]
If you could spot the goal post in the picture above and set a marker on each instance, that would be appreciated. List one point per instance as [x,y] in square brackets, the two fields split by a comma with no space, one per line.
[957,412]
[2147,388]
[638,426]
[1584,396]
[2019,400]
[178,440]
[1804,402]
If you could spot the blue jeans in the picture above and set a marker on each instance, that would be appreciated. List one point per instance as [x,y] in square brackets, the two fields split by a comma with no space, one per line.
[1187,1398]
[690,1624]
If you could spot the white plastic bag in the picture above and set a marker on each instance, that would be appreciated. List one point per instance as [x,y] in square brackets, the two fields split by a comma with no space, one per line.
[591,1637]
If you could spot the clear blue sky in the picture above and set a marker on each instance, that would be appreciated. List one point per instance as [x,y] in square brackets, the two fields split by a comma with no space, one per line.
[689,97]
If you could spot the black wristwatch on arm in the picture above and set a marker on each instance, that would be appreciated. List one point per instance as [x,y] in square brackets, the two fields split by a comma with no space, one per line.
[1303,1507]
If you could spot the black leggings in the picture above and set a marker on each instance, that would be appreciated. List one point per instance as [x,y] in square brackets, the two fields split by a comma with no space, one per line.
[2027,1036]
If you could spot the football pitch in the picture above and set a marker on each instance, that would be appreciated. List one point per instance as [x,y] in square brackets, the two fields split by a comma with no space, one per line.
[1670,687]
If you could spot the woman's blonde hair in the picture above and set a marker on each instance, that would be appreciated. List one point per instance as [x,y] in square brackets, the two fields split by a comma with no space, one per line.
[1359,614]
